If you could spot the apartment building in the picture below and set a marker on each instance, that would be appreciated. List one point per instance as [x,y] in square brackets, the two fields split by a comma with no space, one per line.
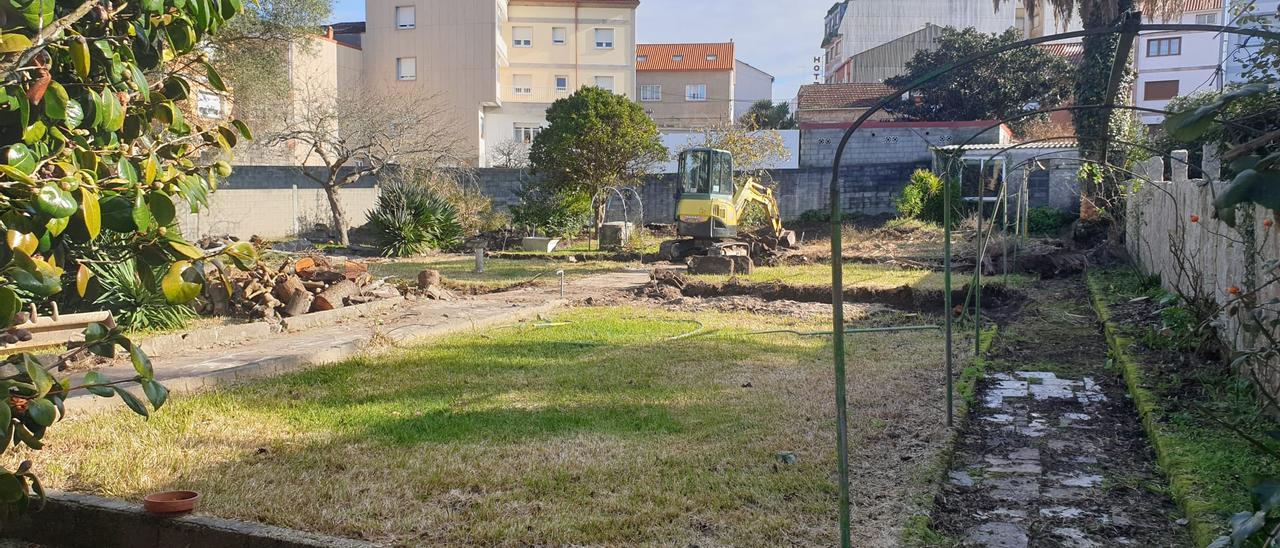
[1239,48]
[852,27]
[1176,63]
[498,64]
[695,86]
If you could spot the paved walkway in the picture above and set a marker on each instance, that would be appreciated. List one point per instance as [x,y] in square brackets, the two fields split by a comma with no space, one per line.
[1053,454]
[280,353]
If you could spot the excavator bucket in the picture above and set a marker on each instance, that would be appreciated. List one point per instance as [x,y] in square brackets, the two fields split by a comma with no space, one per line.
[787,239]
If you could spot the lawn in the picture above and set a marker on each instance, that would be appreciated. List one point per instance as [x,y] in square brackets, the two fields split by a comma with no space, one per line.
[864,275]
[499,274]
[602,431]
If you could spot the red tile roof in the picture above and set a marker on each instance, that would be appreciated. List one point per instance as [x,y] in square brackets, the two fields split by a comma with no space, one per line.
[1071,51]
[832,96]
[662,57]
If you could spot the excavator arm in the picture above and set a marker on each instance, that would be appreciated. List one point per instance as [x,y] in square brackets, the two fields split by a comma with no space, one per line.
[752,192]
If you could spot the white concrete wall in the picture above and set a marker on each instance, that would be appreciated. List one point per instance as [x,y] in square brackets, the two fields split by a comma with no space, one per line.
[750,85]
[272,213]
[1160,214]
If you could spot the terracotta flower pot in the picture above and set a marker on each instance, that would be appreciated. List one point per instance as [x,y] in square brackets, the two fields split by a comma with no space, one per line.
[171,503]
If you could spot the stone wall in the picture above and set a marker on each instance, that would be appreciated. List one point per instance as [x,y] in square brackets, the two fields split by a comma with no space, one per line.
[1159,219]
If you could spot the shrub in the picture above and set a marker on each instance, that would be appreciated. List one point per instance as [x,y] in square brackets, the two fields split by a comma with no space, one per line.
[137,304]
[552,213]
[922,198]
[815,216]
[410,219]
[1047,220]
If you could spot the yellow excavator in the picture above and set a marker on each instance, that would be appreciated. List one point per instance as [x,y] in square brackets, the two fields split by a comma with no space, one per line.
[709,209]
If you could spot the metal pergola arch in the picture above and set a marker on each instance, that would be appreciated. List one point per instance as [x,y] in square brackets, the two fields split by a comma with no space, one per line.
[1127,26]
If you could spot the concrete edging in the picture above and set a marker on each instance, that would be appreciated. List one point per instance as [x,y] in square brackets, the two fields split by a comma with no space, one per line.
[170,343]
[75,520]
[1205,525]
[328,317]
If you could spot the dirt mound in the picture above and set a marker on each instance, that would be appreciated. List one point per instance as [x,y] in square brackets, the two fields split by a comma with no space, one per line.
[903,297]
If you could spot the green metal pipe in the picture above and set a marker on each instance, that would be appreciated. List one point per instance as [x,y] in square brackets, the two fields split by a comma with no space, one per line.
[837,350]
[947,182]
[977,262]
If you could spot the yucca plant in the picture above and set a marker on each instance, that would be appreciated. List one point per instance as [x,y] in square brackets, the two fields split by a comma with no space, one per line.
[410,219]
[136,305]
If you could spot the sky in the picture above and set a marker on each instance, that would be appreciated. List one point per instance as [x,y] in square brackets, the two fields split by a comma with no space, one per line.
[780,37]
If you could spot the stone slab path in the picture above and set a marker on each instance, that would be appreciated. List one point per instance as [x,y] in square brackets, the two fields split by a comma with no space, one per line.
[413,320]
[1053,454]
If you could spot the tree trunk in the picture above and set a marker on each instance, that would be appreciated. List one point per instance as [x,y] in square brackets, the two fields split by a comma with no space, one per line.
[1094,126]
[339,215]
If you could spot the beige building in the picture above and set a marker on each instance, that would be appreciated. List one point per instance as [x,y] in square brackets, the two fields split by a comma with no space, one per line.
[499,63]
[694,86]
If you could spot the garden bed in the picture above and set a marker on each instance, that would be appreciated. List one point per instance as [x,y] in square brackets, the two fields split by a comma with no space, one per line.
[1184,399]
[594,429]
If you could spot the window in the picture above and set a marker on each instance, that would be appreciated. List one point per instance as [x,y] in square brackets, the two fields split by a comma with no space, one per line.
[677,57]
[1160,90]
[522,37]
[604,38]
[604,82]
[525,132]
[407,68]
[405,17]
[695,92]
[712,57]
[1207,19]
[1164,47]
[562,83]
[208,104]
[650,93]
[522,83]
[559,36]
[642,58]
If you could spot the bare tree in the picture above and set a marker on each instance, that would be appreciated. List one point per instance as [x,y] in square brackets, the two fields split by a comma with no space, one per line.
[354,134]
[510,154]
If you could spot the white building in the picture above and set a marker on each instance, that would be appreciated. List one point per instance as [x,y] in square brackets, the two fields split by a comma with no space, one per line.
[855,26]
[1178,63]
[1239,48]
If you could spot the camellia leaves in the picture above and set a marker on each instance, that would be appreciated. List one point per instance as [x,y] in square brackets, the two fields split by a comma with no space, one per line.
[141,363]
[55,202]
[80,57]
[215,81]
[95,378]
[141,213]
[91,211]
[10,43]
[55,102]
[185,249]
[10,304]
[42,380]
[117,214]
[22,241]
[21,158]
[176,289]
[1250,185]
[243,254]
[156,393]
[42,411]
[11,488]
[83,275]
[162,210]
[132,401]
[35,276]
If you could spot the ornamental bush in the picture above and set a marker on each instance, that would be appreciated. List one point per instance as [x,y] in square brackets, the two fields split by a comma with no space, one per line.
[95,137]
[410,219]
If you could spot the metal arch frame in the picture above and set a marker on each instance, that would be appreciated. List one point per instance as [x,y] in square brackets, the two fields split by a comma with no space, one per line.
[1129,25]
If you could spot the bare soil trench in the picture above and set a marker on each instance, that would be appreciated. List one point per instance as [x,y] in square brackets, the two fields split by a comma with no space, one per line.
[998,301]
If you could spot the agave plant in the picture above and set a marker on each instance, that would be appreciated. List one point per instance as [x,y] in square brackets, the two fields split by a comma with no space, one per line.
[137,305]
[409,219]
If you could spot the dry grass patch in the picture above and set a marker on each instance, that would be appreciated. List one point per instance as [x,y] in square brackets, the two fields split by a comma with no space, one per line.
[598,432]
